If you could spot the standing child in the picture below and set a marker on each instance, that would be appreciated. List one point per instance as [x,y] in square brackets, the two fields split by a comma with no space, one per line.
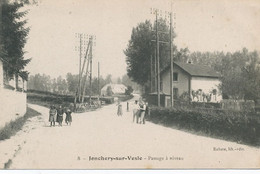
[68,118]
[52,116]
[119,109]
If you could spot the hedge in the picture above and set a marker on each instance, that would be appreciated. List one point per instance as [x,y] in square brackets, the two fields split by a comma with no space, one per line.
[241,127]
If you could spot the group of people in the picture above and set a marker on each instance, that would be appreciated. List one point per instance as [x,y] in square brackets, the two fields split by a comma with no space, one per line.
[56,115]
[140,110]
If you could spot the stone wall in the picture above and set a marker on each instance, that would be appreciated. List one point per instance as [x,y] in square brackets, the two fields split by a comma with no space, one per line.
[12,105]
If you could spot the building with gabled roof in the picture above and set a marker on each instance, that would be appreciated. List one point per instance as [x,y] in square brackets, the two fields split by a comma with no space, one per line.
[200,82]
[115,89]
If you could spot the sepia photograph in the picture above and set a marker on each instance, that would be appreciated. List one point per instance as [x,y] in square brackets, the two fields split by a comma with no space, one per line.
[129,84]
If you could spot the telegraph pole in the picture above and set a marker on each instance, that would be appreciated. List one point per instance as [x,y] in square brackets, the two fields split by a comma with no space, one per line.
[157,57]
[151,73]
[90,74]
[98,79]
[155,71]
[158,61]
[1,4]
[171,72]
[79,87]
[89,57]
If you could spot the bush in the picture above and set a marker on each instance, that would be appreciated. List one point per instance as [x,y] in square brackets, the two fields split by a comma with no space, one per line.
[125,97]
[230,125]
[107,100]
[129,90]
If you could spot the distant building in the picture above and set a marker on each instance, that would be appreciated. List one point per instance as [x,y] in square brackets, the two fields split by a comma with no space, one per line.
[116,89]
[199,82]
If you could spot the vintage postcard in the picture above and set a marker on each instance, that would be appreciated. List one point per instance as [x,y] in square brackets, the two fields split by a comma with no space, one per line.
[129,84]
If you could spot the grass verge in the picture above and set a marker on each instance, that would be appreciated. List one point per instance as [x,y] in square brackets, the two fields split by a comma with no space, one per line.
[13,127]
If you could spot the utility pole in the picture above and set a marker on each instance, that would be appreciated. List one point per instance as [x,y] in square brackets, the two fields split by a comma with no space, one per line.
[155,71]
[82,70]
[157,57]
[90,75]
[151,73]
[98,79]
[171,71]
[77,93]
[89,58]
[89,66]
[79,87]
[1,4]
[158,61]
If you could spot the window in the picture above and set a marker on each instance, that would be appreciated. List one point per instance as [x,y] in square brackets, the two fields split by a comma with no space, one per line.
[175,93]
[175,77]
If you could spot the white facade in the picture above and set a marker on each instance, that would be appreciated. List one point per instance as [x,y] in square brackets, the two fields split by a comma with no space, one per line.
[194,81]
[204,86]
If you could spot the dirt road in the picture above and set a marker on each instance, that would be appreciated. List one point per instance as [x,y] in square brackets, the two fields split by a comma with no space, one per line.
[101,139]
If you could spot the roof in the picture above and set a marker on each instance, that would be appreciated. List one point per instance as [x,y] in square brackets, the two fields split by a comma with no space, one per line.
[115,87]
[195,70]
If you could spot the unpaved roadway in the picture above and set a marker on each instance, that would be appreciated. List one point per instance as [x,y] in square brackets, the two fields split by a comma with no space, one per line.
[100,139]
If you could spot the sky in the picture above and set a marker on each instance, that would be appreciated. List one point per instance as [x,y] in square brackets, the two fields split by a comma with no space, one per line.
[201,25]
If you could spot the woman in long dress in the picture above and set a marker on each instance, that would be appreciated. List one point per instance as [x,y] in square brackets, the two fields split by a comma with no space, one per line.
[52,115]
[68,118]
[60,115]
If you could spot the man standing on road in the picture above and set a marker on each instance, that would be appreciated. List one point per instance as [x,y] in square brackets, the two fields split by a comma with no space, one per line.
[136,109]
[143,109]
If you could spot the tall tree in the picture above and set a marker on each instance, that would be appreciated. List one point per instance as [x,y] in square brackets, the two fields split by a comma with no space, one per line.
[141,48]
[128,82]
[108,79]
[72,81]
[14,35]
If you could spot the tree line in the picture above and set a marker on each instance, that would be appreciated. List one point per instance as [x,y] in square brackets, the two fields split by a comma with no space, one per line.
[239,71]
[69,84]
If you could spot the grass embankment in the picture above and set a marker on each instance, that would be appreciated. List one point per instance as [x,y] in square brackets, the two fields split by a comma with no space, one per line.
[13,127]
[240,127]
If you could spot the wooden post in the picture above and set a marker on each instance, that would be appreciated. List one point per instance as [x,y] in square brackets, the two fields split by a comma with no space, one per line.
[158,61]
